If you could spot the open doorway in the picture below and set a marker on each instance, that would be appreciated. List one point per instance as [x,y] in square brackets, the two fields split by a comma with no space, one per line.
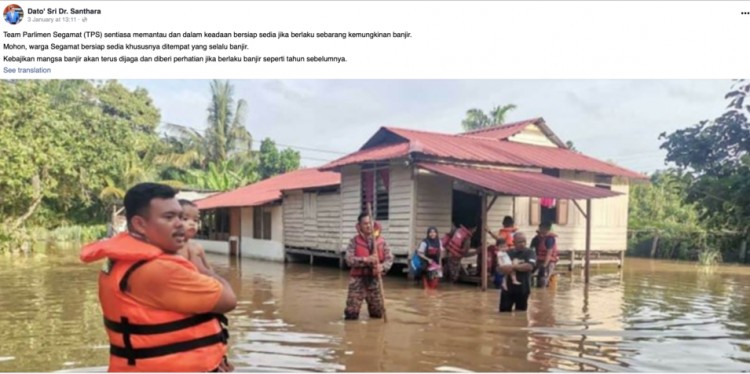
[467,211]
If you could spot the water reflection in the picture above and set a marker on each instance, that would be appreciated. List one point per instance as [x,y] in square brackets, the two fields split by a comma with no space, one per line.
[653,316]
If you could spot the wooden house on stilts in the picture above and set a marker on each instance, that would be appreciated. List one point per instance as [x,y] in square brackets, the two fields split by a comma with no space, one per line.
[416,179]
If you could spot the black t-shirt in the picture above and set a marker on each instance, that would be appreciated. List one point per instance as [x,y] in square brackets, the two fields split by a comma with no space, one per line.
[525,256]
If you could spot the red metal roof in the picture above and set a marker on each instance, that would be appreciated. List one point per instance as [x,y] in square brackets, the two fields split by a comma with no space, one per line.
[270,189]
[481,150]
[502,132]
[379,153]
[520,183]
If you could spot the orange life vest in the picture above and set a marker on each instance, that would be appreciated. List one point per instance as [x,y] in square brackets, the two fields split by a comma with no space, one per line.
[362,249]
[507,234]
[541,248]
[142,338]
[455,243]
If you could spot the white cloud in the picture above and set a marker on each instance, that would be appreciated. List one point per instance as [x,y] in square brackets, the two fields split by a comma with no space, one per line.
[616,120]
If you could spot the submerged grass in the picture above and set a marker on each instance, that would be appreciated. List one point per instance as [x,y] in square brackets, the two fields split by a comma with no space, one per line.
[709,257]
[24,240]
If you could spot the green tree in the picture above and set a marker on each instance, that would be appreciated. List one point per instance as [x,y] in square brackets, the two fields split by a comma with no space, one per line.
[272,162]
[476,119]
[136,108]
[223,176]
[716,154]
[62,140]
[662,222]
[661,204]
[149,167]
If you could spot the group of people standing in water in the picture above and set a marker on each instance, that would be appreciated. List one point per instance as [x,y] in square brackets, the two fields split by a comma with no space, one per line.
[511,263]
[164,306]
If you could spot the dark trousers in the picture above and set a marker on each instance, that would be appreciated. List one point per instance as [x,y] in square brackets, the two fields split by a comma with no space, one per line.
[363,289]
[513,297]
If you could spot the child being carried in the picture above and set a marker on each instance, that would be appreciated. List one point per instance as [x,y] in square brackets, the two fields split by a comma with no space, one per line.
[503,259]
[191,250]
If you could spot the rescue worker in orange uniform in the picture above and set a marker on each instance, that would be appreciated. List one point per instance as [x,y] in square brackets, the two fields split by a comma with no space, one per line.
[162,313]
[363,279]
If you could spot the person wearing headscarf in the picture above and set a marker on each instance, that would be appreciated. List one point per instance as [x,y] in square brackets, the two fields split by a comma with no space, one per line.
[428,258]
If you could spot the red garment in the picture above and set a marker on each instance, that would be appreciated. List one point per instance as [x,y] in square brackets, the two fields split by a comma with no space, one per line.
[456,243]
[547,202]
[362,249]
[541,248]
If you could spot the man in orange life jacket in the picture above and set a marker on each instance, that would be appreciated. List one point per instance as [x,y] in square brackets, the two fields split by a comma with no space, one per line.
[363,280]
[545,245]
[161,312]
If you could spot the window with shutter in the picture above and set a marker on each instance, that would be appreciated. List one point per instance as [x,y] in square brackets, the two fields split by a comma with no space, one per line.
[375,189]
[534,211]
[267,225]
[262,223]
[603,181]
[215,224]
[206,226]
[257,222]
[550,210]
[310,205]
[562,212]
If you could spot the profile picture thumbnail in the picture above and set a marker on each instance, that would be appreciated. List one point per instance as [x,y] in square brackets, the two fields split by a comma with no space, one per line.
[13,14]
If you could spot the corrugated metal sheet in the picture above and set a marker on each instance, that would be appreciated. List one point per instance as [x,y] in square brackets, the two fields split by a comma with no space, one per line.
[565,159]
[520,183]
[484,150]
[371,154]
[502,132]
[270,189]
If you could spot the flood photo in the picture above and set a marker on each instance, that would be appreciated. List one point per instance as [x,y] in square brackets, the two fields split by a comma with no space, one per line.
[374,225]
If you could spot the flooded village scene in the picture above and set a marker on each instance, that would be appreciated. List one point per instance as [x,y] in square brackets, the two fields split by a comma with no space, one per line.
[375,226]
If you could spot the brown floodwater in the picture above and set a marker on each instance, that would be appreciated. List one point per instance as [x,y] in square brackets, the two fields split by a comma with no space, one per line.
[652,316]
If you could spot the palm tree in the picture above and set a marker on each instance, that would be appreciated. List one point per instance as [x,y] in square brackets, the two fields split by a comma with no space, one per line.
[498,113]
[476,119]
[188,148]
[571,146]
[226,129]
[224,138]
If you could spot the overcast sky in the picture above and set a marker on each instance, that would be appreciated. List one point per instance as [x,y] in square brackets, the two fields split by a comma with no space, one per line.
[618,120]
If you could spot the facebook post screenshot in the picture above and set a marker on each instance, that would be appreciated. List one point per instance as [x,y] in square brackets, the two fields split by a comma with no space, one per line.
[375,186]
